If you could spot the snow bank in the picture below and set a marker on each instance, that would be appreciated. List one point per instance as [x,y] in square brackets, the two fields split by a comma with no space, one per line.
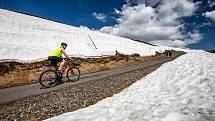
[181,90]
[26,37]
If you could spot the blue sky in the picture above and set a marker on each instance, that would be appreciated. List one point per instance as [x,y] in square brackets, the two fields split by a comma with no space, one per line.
[189,24]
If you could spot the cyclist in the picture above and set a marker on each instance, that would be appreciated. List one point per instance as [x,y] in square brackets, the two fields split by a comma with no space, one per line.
[56,56]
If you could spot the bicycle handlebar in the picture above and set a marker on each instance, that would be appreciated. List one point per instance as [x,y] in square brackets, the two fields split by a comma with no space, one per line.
[67,59]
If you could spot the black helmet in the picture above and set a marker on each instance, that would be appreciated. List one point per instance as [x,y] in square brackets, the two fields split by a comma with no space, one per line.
[63,44]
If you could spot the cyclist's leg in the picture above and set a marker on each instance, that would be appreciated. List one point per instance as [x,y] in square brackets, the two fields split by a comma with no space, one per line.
[59,59]
[65,71]
[66,66]
[62,63]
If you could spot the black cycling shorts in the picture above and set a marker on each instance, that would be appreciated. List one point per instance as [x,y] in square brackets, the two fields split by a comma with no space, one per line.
[55,59]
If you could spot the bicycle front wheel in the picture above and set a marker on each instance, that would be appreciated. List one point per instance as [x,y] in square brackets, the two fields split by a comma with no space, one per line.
[48,78]
[73,74]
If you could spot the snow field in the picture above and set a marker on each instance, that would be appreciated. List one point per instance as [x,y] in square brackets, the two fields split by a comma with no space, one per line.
[181,90]
[29,38]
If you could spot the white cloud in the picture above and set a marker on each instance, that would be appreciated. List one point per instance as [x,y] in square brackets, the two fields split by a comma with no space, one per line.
[149,23]
[99,16]
[172,43]
[192,38]
[211,3]
[210,15]
[116,11]
[84,27]
[147,2]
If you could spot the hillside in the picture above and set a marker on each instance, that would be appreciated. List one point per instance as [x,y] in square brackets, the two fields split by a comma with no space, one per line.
[28,38]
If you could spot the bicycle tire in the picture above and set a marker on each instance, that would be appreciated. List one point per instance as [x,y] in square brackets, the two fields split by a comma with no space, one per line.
[73,74]
[50,80]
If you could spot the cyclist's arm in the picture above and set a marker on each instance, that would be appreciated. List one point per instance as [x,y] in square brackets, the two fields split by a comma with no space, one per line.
[67,56]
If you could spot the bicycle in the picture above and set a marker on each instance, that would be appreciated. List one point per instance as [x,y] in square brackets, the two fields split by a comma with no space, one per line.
[52,77]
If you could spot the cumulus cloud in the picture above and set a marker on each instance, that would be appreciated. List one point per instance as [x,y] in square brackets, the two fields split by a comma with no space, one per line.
[192,38]
[153,21]
[99,16]
[210,15]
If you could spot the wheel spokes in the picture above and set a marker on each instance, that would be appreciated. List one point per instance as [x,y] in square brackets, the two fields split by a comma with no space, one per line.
[73,74]
[48,78]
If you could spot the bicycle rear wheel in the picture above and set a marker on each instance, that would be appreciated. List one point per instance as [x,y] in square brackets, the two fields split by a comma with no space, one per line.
[48,78]
[73,74]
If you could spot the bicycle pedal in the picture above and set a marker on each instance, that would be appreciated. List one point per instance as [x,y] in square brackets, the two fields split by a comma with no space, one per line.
[59,82]
[51,83]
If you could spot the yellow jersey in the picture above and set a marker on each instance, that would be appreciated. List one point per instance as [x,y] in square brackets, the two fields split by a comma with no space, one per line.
[57,52]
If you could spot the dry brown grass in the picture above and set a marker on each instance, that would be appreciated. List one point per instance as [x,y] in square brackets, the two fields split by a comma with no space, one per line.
[14,74]
[211,51]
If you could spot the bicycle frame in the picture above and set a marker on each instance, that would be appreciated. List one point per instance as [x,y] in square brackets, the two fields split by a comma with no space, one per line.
[67,65]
